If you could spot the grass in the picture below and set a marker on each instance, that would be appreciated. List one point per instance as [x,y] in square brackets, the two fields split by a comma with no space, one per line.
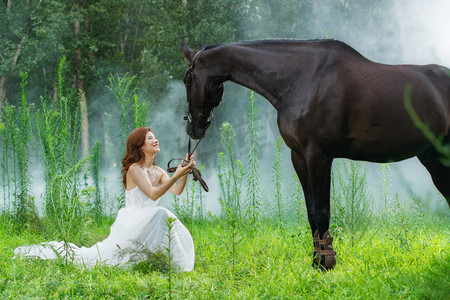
[401,253]
[273,263]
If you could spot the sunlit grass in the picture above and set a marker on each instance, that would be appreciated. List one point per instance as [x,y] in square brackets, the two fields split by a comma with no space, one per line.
[274,262]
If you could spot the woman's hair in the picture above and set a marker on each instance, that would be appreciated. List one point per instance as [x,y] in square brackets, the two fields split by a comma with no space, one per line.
[134,153]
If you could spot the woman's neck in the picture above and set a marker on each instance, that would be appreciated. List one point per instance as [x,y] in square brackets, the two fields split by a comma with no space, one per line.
[148,161]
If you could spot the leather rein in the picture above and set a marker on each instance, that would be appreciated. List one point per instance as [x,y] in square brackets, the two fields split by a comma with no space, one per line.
[197,176]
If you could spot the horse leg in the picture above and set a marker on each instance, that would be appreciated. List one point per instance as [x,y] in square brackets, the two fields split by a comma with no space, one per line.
[302,172]
[439,173]
[315,176]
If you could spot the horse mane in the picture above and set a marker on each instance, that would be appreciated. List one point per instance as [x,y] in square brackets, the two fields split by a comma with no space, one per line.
[329,44]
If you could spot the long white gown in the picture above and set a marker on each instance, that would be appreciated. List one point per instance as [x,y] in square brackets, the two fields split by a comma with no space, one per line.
[141,221]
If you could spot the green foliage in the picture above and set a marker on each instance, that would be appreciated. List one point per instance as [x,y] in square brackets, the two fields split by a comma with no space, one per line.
[253,177]
[58,133]
[277,167]
[275,264]
[169,222]
[124,90]
[95,175]
[230,180]
[352,204]
[16,138]
[298,201]
[141,111]
[385,184]
[230,175]
[68,220]
[190,208]
[9,141]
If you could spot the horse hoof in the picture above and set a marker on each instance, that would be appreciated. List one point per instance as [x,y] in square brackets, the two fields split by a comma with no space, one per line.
[330,261]
[324,255]
[324,263]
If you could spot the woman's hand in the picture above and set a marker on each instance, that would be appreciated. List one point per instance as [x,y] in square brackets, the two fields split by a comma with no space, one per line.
[186,169]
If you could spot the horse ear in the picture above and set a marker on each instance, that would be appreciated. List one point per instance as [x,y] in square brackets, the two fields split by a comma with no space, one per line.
[188,52]
[202,47]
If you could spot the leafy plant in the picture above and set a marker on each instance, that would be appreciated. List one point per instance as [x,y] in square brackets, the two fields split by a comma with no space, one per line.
[230,174]
[95,175]
[352,209]
[277,167]
[169,223]
[124,90]
[16,138]
[253,184]
[58,133]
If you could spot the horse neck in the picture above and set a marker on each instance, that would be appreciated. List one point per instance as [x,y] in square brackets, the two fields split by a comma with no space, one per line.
[265,72]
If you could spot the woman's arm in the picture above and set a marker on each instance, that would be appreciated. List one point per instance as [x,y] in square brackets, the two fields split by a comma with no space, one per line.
[178,187]
[154,193]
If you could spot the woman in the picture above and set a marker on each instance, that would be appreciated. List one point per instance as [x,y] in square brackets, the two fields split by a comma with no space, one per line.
[141,223]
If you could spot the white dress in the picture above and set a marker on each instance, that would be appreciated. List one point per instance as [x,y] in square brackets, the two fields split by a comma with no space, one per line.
[141,222]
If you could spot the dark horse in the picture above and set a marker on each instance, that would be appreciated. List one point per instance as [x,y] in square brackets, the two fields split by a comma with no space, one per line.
[331,102]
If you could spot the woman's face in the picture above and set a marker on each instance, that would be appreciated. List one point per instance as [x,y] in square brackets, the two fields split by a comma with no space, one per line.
[151,145]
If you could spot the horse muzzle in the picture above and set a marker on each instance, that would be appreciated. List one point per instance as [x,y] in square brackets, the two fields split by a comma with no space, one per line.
[196,132]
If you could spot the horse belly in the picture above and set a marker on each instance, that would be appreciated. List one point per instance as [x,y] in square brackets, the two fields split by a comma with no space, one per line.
[382,151]
[385,141]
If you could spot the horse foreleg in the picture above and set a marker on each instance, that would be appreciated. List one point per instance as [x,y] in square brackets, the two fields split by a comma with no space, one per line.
[315,176]
[302,172]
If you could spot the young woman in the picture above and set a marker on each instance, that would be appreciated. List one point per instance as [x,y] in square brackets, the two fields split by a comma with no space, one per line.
[141,223]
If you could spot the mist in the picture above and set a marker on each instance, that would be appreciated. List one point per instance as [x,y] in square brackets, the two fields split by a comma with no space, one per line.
[405,32]
[410,32]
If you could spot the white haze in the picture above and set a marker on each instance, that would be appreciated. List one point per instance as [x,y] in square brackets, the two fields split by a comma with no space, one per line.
[424,38]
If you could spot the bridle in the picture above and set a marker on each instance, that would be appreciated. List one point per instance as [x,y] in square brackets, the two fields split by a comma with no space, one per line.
[206,117]
[208,104]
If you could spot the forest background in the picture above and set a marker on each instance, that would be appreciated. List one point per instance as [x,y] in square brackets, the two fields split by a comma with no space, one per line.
[93,70]
[142,38]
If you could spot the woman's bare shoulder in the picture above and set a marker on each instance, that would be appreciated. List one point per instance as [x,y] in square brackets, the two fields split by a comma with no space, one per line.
[134,168]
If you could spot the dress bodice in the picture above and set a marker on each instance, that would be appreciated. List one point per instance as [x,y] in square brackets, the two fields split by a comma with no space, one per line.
[137,199]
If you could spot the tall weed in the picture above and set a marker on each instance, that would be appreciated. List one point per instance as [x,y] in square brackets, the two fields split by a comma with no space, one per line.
[95,175]
[277,168]
[16,136]
[58,131]
[230,174]
[253,177]
[352,209]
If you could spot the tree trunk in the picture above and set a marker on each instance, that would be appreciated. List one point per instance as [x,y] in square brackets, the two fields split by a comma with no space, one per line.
[4,79]
[81,88]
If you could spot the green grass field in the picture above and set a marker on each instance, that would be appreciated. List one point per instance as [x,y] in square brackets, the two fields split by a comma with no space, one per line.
[270,262]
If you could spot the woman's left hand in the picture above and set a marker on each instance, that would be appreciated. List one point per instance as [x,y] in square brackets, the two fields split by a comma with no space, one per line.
[190,159]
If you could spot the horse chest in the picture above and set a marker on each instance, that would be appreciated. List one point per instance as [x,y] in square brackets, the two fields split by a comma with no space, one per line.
[301,130]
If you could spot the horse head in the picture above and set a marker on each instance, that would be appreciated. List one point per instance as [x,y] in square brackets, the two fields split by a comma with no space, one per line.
[203,91]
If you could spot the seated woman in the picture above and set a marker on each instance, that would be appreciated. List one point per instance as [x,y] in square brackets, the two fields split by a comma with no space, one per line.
[141,221]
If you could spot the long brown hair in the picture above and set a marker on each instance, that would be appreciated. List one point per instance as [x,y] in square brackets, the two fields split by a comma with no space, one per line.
[134,153]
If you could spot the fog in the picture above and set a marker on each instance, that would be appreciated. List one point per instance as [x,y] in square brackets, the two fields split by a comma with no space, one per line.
[410,32]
